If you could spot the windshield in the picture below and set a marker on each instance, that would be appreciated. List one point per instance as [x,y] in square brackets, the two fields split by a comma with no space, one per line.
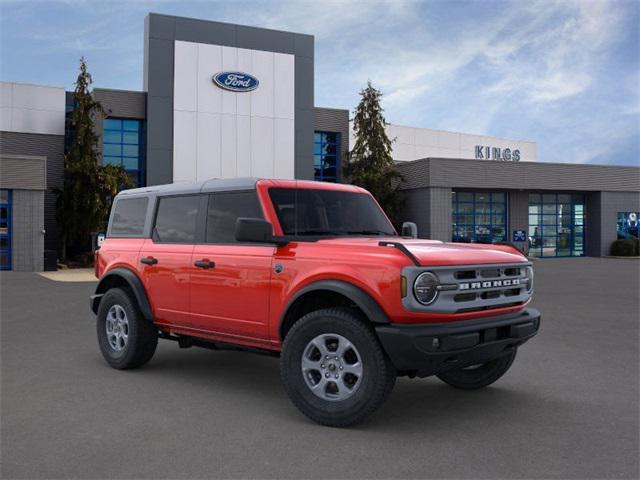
[328,212]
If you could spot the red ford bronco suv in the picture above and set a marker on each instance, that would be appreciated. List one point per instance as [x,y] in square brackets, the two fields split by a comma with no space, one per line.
[314,272]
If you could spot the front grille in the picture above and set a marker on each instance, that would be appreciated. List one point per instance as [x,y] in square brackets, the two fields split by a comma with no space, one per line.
[494,273]
[465,297]
[473,287]
[465,275]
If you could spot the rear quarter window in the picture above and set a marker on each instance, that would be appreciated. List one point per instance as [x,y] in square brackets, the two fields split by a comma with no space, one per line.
[128,217]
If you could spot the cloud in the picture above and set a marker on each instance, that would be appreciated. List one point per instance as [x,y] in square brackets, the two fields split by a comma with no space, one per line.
[562,73]
[558,61]
[332,19]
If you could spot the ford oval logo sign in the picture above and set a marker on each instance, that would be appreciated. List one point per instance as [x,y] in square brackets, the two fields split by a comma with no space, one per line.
[236,81]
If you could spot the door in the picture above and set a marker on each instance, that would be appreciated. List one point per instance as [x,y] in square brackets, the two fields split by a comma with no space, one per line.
[5,229]
[165,259]
[230,281]
[556,224]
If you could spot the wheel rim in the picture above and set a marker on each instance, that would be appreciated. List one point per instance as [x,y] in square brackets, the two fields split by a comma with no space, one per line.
[332,367]
[117,328]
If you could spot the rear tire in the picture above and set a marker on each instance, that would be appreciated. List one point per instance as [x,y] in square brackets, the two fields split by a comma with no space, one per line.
[479,376]
[126,339]
[334,369]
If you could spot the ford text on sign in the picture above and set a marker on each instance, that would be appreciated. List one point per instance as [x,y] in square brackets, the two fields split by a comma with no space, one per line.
[236,81]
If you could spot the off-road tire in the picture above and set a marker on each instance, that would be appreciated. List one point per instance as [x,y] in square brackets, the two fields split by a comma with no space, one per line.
[482,376]
[378,376]
[142,333]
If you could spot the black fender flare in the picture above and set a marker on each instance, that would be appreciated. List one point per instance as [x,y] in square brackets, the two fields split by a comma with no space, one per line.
[359,297]
[134,283]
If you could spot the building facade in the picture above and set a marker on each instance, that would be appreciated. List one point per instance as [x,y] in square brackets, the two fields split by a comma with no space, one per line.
[413,143]
[32,126]
[222,101]
[548,209]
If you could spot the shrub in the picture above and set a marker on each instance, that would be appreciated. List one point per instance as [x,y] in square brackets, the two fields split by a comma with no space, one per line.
[625,248]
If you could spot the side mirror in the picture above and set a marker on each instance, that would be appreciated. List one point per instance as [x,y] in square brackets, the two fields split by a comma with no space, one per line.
[409,229]
[254,230]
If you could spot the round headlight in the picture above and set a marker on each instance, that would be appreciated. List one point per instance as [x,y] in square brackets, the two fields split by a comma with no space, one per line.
[425,288]
[529,274]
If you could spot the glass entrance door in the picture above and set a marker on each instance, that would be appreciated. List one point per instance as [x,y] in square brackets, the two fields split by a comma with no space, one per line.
[5,229]
[556,225]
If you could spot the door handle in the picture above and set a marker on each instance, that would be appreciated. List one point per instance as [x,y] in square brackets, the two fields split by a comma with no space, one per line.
[204,263]
[149,260]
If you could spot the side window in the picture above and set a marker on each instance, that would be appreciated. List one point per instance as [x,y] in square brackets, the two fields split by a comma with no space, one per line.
[176,219]
[128,217]
[224,210]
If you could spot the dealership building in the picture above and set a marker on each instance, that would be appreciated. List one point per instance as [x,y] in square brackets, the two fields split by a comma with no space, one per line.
[222,101]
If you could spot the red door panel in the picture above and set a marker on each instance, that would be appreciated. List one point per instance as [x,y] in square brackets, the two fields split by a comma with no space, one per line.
[167,281]
[232,297]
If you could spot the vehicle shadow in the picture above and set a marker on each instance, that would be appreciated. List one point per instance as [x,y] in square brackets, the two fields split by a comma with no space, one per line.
[418,403]
[414,403]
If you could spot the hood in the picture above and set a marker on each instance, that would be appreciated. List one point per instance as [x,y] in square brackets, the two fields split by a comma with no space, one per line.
[436,253]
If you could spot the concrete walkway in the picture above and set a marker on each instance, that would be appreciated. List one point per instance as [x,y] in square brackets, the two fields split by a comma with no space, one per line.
[71,275]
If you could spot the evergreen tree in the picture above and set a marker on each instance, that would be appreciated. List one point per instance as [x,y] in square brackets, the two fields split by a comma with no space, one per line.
[85,200]
[370,163]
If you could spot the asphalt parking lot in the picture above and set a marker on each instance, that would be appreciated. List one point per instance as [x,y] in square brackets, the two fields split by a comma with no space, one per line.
[567,409]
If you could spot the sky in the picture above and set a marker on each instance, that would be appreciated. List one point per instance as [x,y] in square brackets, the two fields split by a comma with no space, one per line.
[565,74]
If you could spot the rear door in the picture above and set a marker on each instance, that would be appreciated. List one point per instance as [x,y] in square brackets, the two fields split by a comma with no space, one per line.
[229,280]
[165,259]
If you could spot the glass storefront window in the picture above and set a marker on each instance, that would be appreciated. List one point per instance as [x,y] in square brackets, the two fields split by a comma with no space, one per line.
[326,156]
[627,225]
[479,217]
[5,229]
[556,225]
[123,145]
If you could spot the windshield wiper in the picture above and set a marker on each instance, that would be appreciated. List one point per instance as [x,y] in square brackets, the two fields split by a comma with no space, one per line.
[370,232]
[345,232]
[321,232]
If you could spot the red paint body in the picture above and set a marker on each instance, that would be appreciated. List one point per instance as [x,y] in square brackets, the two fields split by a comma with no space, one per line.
[242,300]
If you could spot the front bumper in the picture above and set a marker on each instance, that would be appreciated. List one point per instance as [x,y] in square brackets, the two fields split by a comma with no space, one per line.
[430,349]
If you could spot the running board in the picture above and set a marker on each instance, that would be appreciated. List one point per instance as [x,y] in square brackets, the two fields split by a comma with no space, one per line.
[185,341]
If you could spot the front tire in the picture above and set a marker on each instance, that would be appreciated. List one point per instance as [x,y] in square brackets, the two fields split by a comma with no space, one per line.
[334,369]
[479,376]
[126,339]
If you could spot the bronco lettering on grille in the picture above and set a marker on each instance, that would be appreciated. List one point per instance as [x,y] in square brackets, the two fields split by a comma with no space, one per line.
[489,284]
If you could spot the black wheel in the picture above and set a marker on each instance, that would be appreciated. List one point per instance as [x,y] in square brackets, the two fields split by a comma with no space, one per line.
[479,376]
[126,338]
[334,369]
